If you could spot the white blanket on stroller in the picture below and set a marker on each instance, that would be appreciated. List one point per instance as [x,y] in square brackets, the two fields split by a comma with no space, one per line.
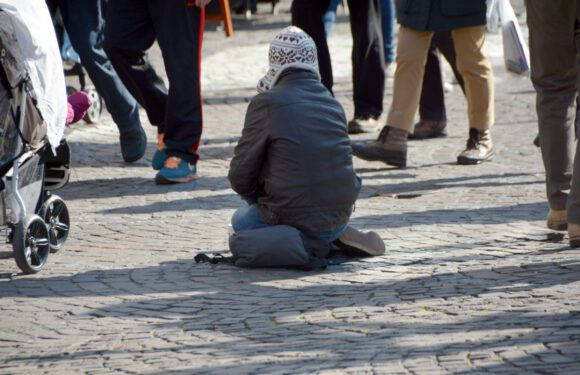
[37,40]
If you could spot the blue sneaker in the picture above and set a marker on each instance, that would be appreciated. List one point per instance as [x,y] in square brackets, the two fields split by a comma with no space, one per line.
[176,170]
[159,158]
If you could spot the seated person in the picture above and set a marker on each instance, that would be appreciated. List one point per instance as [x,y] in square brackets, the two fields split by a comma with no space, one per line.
[293,162]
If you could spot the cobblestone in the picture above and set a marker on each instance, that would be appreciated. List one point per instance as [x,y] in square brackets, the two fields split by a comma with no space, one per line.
[472,281]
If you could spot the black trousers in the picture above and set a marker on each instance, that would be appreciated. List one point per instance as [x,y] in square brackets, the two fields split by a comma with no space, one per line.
[132,27]
[367,52]
[432,104]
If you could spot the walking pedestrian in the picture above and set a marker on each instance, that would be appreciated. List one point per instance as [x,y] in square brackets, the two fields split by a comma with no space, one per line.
[84,22]
[368,72]
[432,113]
[132,28]
[555,74]
[419,19]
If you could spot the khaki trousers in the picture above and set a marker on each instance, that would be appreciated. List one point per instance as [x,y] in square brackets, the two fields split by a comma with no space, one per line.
[472,63]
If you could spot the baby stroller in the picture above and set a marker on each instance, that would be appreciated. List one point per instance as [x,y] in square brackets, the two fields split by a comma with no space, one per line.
[34,221]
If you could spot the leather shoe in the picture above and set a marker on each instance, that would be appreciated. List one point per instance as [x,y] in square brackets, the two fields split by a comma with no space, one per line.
[574,234]
[363,124]
[479,148]
[557,220]
[390,148]
[429,129]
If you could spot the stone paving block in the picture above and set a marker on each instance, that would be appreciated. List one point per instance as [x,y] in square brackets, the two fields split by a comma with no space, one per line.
[472,281]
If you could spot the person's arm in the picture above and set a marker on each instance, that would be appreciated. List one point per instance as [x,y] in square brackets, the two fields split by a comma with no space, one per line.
[249,154]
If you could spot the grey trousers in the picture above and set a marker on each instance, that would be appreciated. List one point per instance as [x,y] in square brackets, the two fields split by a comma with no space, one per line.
[555,73]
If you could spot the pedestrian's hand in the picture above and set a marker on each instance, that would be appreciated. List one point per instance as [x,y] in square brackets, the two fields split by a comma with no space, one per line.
[201,3]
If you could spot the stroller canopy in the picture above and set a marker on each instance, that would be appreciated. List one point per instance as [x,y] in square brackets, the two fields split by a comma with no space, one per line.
[35,37]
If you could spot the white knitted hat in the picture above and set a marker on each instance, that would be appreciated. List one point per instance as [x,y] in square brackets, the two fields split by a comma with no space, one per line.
[291,48]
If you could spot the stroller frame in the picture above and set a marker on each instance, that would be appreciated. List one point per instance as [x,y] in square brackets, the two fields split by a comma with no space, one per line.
[34,221]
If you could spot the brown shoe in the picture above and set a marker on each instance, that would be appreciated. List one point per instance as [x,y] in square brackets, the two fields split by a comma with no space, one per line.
[557,220]
[369,243]
[363,124]
[574,234]
[390,148]
[479,148]
[429,129]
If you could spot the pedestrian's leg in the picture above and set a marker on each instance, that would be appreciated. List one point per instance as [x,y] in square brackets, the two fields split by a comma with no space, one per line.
[179,30]
[368,72]
[388,26]
[432,116]
[553,73]
[129,33]
[391,144]
[412,47]
[432,104]
[476,70]
[443,41]
[307,15]
[84,22]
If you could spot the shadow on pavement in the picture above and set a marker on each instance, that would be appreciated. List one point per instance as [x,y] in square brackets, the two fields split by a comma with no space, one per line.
[268,323]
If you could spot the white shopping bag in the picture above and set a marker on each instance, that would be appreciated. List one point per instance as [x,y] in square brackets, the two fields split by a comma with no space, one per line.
[515,49]
[492,14]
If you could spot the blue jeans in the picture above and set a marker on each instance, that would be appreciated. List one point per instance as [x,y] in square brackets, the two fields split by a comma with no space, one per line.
[84,22]
[329,17]
[388,24]
[247,217]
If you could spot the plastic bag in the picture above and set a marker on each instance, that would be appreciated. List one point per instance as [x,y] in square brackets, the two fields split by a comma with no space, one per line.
[515,49]
[493,21]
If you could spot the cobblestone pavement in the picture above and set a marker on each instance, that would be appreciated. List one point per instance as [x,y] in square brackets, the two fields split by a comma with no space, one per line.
[472,281]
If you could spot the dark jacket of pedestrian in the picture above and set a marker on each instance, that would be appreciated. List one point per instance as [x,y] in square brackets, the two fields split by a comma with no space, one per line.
[441,15]
[294,157]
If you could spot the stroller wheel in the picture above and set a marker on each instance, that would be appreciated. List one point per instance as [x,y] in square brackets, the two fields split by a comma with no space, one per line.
[30,244]
[55,214]
[94,112]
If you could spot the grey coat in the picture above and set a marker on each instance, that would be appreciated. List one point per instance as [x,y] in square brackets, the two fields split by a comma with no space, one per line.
[441,15]
[294,157]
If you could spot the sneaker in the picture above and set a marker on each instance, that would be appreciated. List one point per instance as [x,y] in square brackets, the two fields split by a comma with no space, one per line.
[133,144]
[390,148]
[557,220]
[574,234]
[160,154]
[369,243]
[429,129]
[479,148]
[175,170]
[363,124]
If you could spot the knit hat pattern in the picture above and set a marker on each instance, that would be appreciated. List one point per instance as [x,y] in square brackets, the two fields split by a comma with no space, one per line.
[291,48]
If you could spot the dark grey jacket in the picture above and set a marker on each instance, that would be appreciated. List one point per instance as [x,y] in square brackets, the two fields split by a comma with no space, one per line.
[294,157]
[441,15]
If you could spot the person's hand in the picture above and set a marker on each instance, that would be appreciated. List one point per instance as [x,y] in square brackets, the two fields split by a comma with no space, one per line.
[201,3]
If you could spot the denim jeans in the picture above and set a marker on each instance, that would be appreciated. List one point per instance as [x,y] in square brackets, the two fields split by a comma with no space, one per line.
[84,22]
[388,24]
[247,217]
